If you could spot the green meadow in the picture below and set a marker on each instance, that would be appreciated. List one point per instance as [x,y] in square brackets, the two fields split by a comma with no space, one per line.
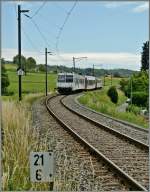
[31,83]
[99,101]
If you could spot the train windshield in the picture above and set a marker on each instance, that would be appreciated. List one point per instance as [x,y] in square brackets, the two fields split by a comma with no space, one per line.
[61,78]
[69,78]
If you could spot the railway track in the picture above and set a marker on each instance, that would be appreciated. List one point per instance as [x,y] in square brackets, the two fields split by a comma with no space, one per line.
[124,156]
[131,130]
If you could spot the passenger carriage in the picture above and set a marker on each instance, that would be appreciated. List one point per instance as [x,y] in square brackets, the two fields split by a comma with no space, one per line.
[90,82]
[68,82]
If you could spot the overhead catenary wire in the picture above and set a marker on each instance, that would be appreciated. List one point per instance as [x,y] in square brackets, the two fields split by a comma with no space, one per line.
[26,35]
[38,29]
[15,8]
[34,47]
[55,3]
[63,25]
[41,33]
[30,41]
[37,11]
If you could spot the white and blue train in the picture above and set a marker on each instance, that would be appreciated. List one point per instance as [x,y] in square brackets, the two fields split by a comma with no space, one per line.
[69,82]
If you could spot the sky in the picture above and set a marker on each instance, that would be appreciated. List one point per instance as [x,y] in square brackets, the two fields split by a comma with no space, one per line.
[109,34]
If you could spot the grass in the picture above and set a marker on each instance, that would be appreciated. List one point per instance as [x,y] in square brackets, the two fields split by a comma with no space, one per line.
[11,67]
[31,83]
[99,101]
[115,81]
[19,138]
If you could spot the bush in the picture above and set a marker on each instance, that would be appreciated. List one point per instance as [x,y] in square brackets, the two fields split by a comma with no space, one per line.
[140,83]
[117,74]
[113,94]
[4,80]
[123,84]
[140,98]
[134,109]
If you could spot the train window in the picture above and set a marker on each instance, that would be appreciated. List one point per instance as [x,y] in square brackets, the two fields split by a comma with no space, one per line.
[91,82]
[69,78]
[61,78]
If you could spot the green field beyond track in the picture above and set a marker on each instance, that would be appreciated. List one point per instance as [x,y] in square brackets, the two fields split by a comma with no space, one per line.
[99,101]
[31,83]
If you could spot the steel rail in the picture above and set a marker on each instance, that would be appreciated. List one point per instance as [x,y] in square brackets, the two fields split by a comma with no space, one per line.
[128,179]
[109,129]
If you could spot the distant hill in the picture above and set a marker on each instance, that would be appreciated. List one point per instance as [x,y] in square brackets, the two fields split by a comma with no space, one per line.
[85,71]
[89,71]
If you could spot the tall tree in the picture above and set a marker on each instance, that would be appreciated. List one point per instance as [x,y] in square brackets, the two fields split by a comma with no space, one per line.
[4,77]
[23,61]
[145,56]
[31,63]
[41,67]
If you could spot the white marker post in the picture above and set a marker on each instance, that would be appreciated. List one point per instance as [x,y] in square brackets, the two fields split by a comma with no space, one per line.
[20,72]
[42,167]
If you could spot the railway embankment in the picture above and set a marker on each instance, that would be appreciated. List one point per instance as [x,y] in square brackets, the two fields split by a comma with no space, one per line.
[123,127]
[100,102]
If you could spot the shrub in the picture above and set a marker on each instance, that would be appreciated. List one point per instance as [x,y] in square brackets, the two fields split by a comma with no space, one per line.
[4,79]
[113,94]
[134,109]
[123,84]
[117,74]
[140,98]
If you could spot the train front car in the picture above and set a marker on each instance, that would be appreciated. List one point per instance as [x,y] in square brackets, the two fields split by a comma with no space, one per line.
[70,82]
[65,82]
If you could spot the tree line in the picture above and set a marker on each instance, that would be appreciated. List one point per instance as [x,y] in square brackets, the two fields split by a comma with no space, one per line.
[27,63]
[137,87]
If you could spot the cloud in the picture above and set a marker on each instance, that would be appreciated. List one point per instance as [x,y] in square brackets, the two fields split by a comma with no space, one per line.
[103,59]
[141,8]
[112,5]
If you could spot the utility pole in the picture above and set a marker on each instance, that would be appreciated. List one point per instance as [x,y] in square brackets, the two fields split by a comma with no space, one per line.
[104,79]
[93,70]
[111,78]
[131,90]
[19,47]
[75,58]
[73,64]
[46,70]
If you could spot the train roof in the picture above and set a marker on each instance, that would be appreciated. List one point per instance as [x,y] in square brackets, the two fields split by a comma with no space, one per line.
[75,74]
[65,73]
[90,77]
